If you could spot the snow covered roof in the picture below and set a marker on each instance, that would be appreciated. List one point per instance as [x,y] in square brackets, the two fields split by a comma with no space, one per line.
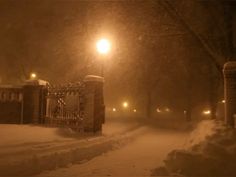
[10,87]
[92,78]
[36,82]
[230,65]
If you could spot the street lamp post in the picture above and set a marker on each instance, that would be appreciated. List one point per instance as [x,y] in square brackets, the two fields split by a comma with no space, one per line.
[103,47]
[102,68]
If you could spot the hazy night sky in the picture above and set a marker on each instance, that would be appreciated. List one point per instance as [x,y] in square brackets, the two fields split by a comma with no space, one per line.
[56,39]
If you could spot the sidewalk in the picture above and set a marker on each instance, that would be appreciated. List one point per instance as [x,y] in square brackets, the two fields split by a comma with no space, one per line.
[27,149]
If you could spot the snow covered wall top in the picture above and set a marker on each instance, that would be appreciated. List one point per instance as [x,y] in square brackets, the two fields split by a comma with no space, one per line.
[230,66]
[93,78]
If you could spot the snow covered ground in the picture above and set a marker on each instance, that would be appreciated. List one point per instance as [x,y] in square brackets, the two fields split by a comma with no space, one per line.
[28,149]
[15,135]
[60,152]
[137,158]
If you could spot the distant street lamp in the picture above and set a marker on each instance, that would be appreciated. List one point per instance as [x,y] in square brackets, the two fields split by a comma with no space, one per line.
[103,47]
[125,104]
[167,109]
[206,112]
[33,76]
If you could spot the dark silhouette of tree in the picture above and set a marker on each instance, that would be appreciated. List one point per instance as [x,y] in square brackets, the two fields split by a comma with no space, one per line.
[210,23]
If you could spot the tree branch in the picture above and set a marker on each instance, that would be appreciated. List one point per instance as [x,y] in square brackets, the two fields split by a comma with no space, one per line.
[173,11]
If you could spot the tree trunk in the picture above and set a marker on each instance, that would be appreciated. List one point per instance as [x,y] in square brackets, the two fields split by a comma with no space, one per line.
[148,105]
[189,114]
[189,108]
[213,107]
[229,28]
[213,99]
[189,98]
[214,90]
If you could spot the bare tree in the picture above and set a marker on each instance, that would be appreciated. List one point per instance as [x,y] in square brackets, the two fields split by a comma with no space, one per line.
[214,33]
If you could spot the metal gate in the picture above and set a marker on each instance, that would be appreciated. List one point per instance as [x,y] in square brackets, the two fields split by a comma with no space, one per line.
[65,106]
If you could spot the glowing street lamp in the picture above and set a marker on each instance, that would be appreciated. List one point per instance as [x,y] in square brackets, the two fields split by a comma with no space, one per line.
[114,109]
[103,47]
[33,76]
[125,104]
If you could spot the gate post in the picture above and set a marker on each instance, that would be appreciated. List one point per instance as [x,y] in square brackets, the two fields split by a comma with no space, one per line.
[230,92]
[94,109]
[34,101]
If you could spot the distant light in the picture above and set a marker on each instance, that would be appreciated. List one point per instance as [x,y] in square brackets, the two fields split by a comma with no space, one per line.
[223,101]
[158,110]
[103,46]
[114,109]
[33,76]
[135,110]
[125,104]
[206,112]
[185,112]
[167,110]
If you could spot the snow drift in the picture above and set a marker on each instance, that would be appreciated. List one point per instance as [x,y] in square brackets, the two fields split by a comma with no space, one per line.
[210,151]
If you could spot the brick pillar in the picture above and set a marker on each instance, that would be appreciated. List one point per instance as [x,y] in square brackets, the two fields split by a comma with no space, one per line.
[34,101]
[230,92]
[94,109]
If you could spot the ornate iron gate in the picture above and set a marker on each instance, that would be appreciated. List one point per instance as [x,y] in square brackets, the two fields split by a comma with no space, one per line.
[65,106]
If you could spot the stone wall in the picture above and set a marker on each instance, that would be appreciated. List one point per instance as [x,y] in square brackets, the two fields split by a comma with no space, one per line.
[230,93]
[11,104]
[31,103]
[94,113]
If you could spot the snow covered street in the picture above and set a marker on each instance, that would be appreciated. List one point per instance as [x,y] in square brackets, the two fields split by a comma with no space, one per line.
[137,158]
